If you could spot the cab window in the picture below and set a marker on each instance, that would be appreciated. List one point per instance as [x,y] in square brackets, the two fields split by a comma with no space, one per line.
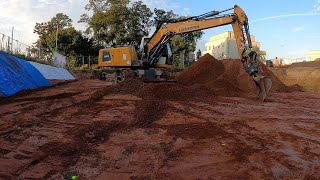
[106,56]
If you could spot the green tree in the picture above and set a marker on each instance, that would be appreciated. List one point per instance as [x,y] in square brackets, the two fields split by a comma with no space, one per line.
[70,41]
[118,22]
[139,23]
[181,44]
[46,31]
[199,53]
[162,16]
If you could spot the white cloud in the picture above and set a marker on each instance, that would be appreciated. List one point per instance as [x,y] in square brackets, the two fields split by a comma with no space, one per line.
[161,4]
[317,6]
[284,16]
[316,12]
[298,29]
[23,15]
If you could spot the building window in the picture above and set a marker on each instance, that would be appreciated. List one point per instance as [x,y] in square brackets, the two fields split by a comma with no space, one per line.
[209,48]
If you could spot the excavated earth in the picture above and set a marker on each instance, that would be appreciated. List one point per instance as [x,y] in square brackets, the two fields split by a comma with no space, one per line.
[306,74]
[209,125]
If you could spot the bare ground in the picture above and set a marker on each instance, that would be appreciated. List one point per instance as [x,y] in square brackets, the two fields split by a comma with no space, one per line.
[305,74]
[82,129]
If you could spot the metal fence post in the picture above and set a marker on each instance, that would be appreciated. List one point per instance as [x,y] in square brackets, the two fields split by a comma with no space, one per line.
[82,60]
[89,62]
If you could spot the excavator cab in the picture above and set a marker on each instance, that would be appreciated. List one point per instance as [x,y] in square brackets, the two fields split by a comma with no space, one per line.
[165,59]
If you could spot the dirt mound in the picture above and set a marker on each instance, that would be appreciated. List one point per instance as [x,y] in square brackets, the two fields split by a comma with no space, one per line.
[226,77]
[164,91]
[202,71]
[209,73]
[204,80]
[277,84]
[306,64]
[306,78]
[155,97]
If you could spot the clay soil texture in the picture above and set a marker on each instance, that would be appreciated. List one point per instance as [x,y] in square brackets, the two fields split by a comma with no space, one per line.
[208,125]
[306,74]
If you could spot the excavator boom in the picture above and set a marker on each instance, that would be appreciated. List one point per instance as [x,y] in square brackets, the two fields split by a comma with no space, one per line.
[155,52]
[238,19]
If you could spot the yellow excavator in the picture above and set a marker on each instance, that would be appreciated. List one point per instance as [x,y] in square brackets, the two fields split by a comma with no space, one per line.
[155,52]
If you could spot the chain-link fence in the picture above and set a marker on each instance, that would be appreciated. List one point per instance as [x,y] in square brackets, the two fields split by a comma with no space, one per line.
[86,61]
[13,46]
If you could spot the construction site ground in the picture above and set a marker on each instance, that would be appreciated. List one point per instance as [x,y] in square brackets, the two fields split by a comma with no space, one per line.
[306,74]
[90,129]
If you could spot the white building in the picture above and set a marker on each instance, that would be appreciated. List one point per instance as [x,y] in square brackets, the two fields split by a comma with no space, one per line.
[288,61]
[313,55]
[224,46]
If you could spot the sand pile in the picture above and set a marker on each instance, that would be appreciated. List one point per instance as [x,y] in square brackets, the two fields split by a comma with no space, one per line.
[226,78]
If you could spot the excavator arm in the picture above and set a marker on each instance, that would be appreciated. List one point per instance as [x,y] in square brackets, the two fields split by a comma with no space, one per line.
[154,48]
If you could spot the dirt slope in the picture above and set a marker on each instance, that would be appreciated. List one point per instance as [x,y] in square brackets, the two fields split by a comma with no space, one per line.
[226,77]
[306,74]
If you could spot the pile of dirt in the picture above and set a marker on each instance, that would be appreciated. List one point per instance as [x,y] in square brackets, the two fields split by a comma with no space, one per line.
[156,97]
[203,71]
[211,74]
[202,82]
[305,64]
[277,84]
[226,77]
[304,77]
[169,91]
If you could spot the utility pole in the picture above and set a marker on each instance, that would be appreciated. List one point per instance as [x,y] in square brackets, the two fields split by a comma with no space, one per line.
[57,38]
[39,51]
[12,39]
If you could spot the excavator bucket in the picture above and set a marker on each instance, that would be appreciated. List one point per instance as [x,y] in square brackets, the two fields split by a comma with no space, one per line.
[263,86]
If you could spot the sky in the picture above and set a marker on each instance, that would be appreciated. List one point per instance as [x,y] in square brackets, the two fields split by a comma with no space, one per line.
[285,28]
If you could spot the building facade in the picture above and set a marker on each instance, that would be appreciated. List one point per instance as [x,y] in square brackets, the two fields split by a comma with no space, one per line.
[313,55]
[224,46]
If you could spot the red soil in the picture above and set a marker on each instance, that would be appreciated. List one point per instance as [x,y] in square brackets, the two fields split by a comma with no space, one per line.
[226,77]
[186,130]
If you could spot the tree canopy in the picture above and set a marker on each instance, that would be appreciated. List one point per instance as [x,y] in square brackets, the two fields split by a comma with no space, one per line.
[70,41]
[182,44]
[118,22]
[113,23]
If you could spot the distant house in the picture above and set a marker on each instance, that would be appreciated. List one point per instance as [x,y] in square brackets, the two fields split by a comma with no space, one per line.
[224,46]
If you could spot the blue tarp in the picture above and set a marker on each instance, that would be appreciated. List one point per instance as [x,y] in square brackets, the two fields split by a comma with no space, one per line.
[17,75]
[50,72]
